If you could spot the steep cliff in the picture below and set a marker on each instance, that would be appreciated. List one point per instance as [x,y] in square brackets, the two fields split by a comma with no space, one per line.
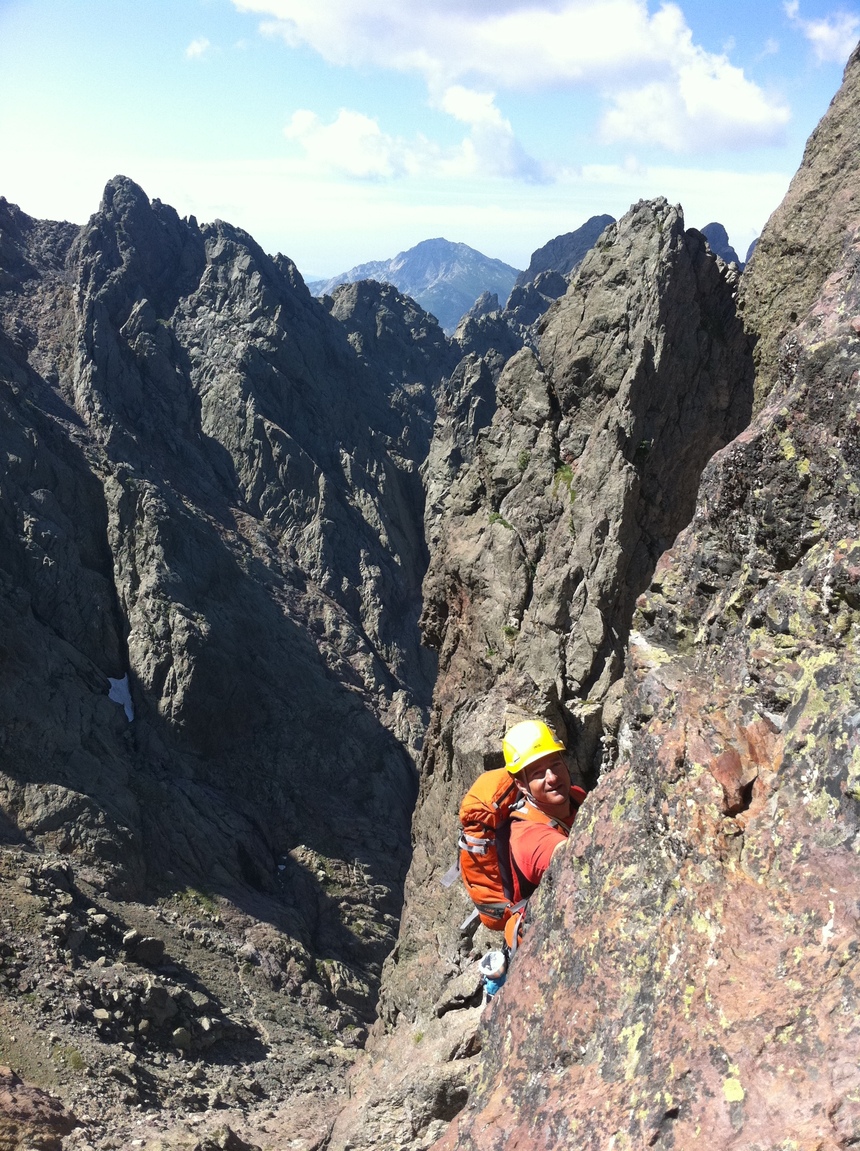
[551,495]
[807,235]
[212,686]
[691,978]
[218,501]
[565,253]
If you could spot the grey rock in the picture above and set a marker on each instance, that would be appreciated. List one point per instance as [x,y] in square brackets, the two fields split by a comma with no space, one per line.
[210,483]
[553,487]
[804,239]
[182,1038]
[148,951]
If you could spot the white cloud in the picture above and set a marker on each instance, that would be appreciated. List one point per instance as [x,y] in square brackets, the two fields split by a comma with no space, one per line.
[707,104]
[491,148]
[614,45]
[198,48]
[833,38]
[354,145]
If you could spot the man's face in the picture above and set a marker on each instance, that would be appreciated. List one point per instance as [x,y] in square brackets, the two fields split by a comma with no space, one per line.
[548,782]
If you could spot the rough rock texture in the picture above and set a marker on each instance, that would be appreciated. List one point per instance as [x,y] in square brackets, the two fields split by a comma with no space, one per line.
[550,497]
[528,302]
[30,1119]
[196,430]
[488,334]
[211,676]
[214,484]
[807,235]
[693,976]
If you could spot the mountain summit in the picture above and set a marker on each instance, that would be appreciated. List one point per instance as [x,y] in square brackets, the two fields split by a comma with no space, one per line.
[443,277]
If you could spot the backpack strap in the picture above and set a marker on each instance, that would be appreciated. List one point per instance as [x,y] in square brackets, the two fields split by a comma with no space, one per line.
[452,874]
[526,809]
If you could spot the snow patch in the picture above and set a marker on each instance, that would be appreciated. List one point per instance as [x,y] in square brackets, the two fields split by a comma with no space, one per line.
[121,694]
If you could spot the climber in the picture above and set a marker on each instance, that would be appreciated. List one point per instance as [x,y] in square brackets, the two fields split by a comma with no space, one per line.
[541,821]
[511,827]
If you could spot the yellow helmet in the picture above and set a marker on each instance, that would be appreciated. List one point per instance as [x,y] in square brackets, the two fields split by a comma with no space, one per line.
[527,741]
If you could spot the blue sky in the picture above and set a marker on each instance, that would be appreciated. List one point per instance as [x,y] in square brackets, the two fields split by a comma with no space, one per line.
[341,131]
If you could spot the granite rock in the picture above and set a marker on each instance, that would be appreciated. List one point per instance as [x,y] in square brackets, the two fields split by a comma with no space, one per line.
[691,976]
[553,487]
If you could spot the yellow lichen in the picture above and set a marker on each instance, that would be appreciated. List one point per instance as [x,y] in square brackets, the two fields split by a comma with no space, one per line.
[689,992]
[789,451]
[631,1036]
[733,1091]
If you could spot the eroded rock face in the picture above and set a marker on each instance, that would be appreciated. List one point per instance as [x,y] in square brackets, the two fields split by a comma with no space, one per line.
[691,977]
[550,498]
[212,509]
[200,427]
[806,237]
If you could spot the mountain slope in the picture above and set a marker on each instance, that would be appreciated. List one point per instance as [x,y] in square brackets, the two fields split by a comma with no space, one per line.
[212,690]
[443,277]
[692,978]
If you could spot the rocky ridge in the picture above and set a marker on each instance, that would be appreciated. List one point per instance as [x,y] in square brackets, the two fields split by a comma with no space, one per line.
[565,253]
[204,470]
[691,975]
[807,235]
[551,495]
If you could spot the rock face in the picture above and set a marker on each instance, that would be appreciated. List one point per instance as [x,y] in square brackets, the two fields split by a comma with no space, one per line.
[550,498]
[692,975]
[565,253]
[487,327]
[807,235]
[219,500]
[199,426]
[443,277]
[211,554]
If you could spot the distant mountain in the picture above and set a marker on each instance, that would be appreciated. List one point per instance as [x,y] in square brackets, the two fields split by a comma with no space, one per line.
[718,242]
[565,252]
[443,277]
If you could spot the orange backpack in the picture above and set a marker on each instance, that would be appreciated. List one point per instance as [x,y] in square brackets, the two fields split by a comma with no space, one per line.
[485,863]
[484,843]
